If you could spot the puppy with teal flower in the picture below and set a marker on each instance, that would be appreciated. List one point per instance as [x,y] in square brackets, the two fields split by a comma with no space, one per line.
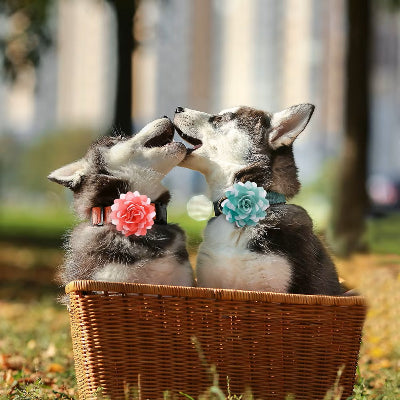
[256,241]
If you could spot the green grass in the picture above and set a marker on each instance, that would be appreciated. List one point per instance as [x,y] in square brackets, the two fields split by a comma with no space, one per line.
[40,226]
[47,226]
[383,234]
[192,228]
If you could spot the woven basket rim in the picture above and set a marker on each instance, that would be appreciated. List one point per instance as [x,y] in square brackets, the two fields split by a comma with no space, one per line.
[211,293]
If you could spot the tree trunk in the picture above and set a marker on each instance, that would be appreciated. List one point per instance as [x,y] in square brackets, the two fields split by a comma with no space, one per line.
[124,11]
[351,202]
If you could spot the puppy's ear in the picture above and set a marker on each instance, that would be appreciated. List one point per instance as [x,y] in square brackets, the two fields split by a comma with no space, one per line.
[70,175]
[288,124]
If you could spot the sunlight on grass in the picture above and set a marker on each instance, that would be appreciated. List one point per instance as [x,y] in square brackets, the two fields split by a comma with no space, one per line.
[36,355]
[377,277]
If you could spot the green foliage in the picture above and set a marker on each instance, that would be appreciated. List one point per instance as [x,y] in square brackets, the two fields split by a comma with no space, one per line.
[28,34]
[383,386]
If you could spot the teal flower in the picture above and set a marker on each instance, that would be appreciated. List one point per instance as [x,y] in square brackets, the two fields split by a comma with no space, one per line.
[245,204]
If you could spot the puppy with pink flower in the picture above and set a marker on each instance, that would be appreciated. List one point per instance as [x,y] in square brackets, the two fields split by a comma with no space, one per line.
[124,235]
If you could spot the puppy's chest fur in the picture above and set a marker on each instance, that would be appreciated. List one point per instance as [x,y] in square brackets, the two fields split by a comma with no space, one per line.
[158,258]
[226,261]
[280,254]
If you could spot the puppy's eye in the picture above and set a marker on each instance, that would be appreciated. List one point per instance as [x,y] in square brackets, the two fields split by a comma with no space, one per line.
[216,119]
[111,142]
[221,118]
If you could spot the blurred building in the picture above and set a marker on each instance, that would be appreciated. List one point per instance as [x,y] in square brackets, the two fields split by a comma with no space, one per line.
[211,55]
[86,63]
[74,85]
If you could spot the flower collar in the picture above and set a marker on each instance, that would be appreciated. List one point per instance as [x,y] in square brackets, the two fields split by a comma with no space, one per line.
[245,204]
[132,214]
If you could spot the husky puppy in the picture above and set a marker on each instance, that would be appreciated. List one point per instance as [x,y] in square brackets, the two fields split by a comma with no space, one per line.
[113,166]
[281,253]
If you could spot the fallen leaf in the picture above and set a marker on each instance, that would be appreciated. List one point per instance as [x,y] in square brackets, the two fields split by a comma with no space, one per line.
[8,377]
[3,360]
[54,367]
[376,352]
[12,362]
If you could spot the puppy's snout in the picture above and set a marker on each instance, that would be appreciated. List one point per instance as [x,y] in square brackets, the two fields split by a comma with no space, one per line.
[179,110]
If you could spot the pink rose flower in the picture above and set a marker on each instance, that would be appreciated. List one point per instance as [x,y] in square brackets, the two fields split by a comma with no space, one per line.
[132,214]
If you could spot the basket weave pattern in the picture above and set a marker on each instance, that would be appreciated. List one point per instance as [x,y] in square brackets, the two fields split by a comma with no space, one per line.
[275,344]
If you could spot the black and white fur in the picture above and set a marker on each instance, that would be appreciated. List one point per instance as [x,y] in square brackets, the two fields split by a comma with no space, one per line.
[115,165]
[281,253]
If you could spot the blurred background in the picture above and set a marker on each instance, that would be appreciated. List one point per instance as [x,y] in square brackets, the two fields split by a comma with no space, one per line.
[71,70]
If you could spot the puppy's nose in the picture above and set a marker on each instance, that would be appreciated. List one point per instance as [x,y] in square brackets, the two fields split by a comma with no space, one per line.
[179,110]
[165,116]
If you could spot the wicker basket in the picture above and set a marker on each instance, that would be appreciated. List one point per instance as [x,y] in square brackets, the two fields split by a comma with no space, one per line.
[135,335]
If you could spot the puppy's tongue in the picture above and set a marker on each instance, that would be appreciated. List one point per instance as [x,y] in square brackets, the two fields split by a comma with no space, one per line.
[196,143]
